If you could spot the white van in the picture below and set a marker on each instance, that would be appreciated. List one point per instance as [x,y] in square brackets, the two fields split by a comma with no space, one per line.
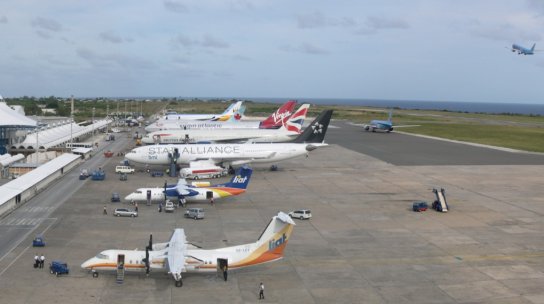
[124,169]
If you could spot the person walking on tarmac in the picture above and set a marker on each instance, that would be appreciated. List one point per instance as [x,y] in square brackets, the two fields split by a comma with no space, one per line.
[105,210]
[36,261]
[136,207]
[211,201]
[225,274]
[261,291]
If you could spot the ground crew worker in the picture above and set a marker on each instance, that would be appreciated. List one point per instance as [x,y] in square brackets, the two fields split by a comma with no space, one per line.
[105,210]
[261,291]
[42,260]
[36,261]
[225,268]
[136,207]
[211,201]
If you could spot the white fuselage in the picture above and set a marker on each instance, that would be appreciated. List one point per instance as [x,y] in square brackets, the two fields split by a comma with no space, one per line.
[157,195]
[192,124]
[220,153]
[215,135]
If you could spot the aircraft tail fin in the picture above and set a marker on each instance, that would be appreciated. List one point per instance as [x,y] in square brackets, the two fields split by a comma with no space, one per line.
[533,48]
[275,236]
[237,114]
[241,179]
[315,132]
[295,121]
[278,118]
[232,110]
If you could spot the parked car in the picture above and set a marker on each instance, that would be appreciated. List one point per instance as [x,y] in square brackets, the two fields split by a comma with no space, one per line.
[420,206]
[169,207]
[125,212]
[303,214]
[194,213]
[123,177]
[156,173]
[115,197]
[58,267]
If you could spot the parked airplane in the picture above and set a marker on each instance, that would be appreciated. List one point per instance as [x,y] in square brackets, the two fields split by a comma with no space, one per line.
[226,115]
[179,256]
[522,50]
[274,121]
[236,186]
[236,154]
[384,125]
[292,129]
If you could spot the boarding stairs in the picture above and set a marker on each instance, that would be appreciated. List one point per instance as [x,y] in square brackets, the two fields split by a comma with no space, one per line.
[440,204]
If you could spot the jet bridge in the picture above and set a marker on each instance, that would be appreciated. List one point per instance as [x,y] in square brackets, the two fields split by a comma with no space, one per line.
[440,204]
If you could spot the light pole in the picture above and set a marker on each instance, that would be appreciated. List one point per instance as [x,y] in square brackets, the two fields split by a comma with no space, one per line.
[93,121]
[71,122]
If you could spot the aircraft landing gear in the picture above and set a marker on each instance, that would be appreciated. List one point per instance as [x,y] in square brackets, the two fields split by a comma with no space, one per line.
[95,274]
[179,283]
[274,168]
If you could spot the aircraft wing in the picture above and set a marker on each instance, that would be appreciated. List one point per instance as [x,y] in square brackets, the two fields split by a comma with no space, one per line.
[177,249]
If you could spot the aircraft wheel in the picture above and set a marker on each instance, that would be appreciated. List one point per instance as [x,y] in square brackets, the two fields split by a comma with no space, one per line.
[95,274]
[179,283]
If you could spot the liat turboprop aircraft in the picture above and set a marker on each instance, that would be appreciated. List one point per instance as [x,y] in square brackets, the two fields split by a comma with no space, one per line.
[179,256]
[274,121]
[236,186]
[289,131]
[522,50]
[236,154]
[384,125]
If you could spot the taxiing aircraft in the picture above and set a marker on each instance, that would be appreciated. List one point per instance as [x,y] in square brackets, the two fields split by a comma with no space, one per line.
[522,50]
[236,186]
[384,125]
[274,121]
[236,154]
[179,256]
[289,131]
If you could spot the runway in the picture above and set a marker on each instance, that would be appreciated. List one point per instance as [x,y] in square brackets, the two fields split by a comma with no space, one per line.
[408,150]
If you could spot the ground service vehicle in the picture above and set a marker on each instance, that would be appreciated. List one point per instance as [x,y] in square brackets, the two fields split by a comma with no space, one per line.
[124,212]
[169,207]
[420,206]
[303,214]
[124,169]
[115,197]
[58,267]
[38,241]
[194,213]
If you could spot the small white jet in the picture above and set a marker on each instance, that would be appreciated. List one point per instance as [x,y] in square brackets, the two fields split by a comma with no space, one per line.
[236,154]
[289,131]
[274,121]
[179,256]
[236,186]
[229,112]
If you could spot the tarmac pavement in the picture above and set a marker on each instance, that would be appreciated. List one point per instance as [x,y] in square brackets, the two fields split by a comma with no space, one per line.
[363,244]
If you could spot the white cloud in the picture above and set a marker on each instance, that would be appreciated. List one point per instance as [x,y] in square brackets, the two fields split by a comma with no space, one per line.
[317,20]
[3,19]
[305,48]
[112,37]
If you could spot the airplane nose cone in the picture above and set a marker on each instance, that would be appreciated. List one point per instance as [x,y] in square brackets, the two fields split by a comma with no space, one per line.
[147,140]
[131,157]
[86,264]
[128,197]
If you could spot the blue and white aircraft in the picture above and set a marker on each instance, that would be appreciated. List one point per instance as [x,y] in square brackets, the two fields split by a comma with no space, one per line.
[522,50]
[384,125]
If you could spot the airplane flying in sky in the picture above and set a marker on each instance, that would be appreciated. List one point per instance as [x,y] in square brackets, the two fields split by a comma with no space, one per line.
[289,131]
[236,154]
[179,256]
[236,186]
[522,50]
[384,125]
[274,121]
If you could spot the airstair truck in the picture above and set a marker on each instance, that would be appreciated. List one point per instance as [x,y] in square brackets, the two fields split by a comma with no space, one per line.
[440,203]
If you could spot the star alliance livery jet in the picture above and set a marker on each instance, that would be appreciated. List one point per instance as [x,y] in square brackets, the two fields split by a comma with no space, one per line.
[236,154]
[179,256]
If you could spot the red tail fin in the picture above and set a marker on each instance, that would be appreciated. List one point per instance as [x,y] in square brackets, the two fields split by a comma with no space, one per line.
[280,117]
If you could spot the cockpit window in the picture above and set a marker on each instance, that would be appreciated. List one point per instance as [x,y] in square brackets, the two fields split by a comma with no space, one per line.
[102,256]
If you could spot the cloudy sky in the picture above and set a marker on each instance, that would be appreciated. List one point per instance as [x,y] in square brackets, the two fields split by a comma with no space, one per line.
[448,50]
